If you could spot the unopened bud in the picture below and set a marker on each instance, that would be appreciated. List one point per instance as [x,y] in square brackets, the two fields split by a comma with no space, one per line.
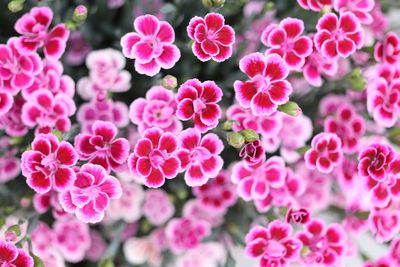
[356,80]
[290,108]
[80,14]
[249,135]
[235,139]
[227,125]
[14,231]
[16,5]
[213,3]
[170,82]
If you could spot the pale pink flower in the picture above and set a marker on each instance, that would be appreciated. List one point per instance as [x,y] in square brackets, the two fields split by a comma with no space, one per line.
[77,49]
[157,207]
[384,224]
[9,163]
[360,8]
[210,254]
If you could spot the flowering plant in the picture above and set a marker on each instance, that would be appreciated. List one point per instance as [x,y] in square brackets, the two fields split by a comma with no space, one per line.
[212,133]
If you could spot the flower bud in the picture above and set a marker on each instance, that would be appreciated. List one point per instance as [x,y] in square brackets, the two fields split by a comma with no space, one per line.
[300,216]
[16,5]
[170,82]
[356,80]
[290,108]
[213,3]
[249,135]
[235,139]
[394,136]
[13,231]
[80,14]
[227,125]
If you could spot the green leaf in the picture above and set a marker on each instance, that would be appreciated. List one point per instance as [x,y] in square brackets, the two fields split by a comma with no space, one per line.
[16,229]
[106,263]
[37,261]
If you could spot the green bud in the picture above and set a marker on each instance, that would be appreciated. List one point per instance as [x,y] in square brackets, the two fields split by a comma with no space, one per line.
[58,134]
[106,263]
[16,140]
[80,14]
[269,5]
[227,125]
[356,80]
[145,226]
[213,3]
[16,229]
[16,5]
[235,139]
[170,82]
[37,262]
[394,136]
[291,108]
[249,135]
[182,193]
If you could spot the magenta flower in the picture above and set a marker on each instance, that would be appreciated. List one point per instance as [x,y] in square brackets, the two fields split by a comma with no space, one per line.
[157,207]
[274,245]
[383,101]
[153,157]
[72,239]
[107,110]
[34,28]
[156,110]
[326,244]
[252,152]
[90,195]
[9,163]
[48,165]
[381,262]
[212,38]
[77,49]
[384,224]
[199,156]
[285,40]
[348,125]
[48,111]
[218,194]
[394,253]
[198,101]
[102,147]
[267,87]
[151,46]
[317,65]
[338,36]
[17,70]
[388,50]
[325,152]
[299,216]
[315,5]
[255,182]
[10,255]
[185,233]
[374,161]
[360,8]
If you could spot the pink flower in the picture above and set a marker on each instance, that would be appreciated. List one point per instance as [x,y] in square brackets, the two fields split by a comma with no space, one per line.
[348,125]
[374,161]
[199,156]
[338,36]
[394,253]
[17,71]
[285,40]
[274,245]
[388,50]
[300,216]
[152,46]
[10,255]
[153,157]
[218,194]
[90,195]
[326,244]
[360,8]
[210,254]
[97,248]
[48,111]
[185,233]
[267,87]
[383,101]
[72,239]
[255,182]
[384,224]
[9,163]
[156,110]
[252,152]
[34,26]
[325,152]
[48,164]
[102,147]
[77,49]
[212,38]
[157,207]
[317,65]
[107,110]
[198,101]
[381,262]
[315,5]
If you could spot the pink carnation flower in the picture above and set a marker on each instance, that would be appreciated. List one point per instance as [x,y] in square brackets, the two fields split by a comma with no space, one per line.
[325,152]
[151,46]
[212,38]
[90,195]
[153,157]
[315,5]
[156,110]
[326,244]
[48,111]
[274,246]
[9,163]
[381,262]
[98,247]
[72,239]
[255,182]
[102,147]
[338,36]
[77,49]
[388,50]
[10,255]
[199,156]
[198,101]
[267,87]
[107,110]
[317,66]
[185,233]
[157,207]
[210,254]
[34,26]
[360,8]
[374,161]
[285,40]
[252,152]
[384,224]
[48,164]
